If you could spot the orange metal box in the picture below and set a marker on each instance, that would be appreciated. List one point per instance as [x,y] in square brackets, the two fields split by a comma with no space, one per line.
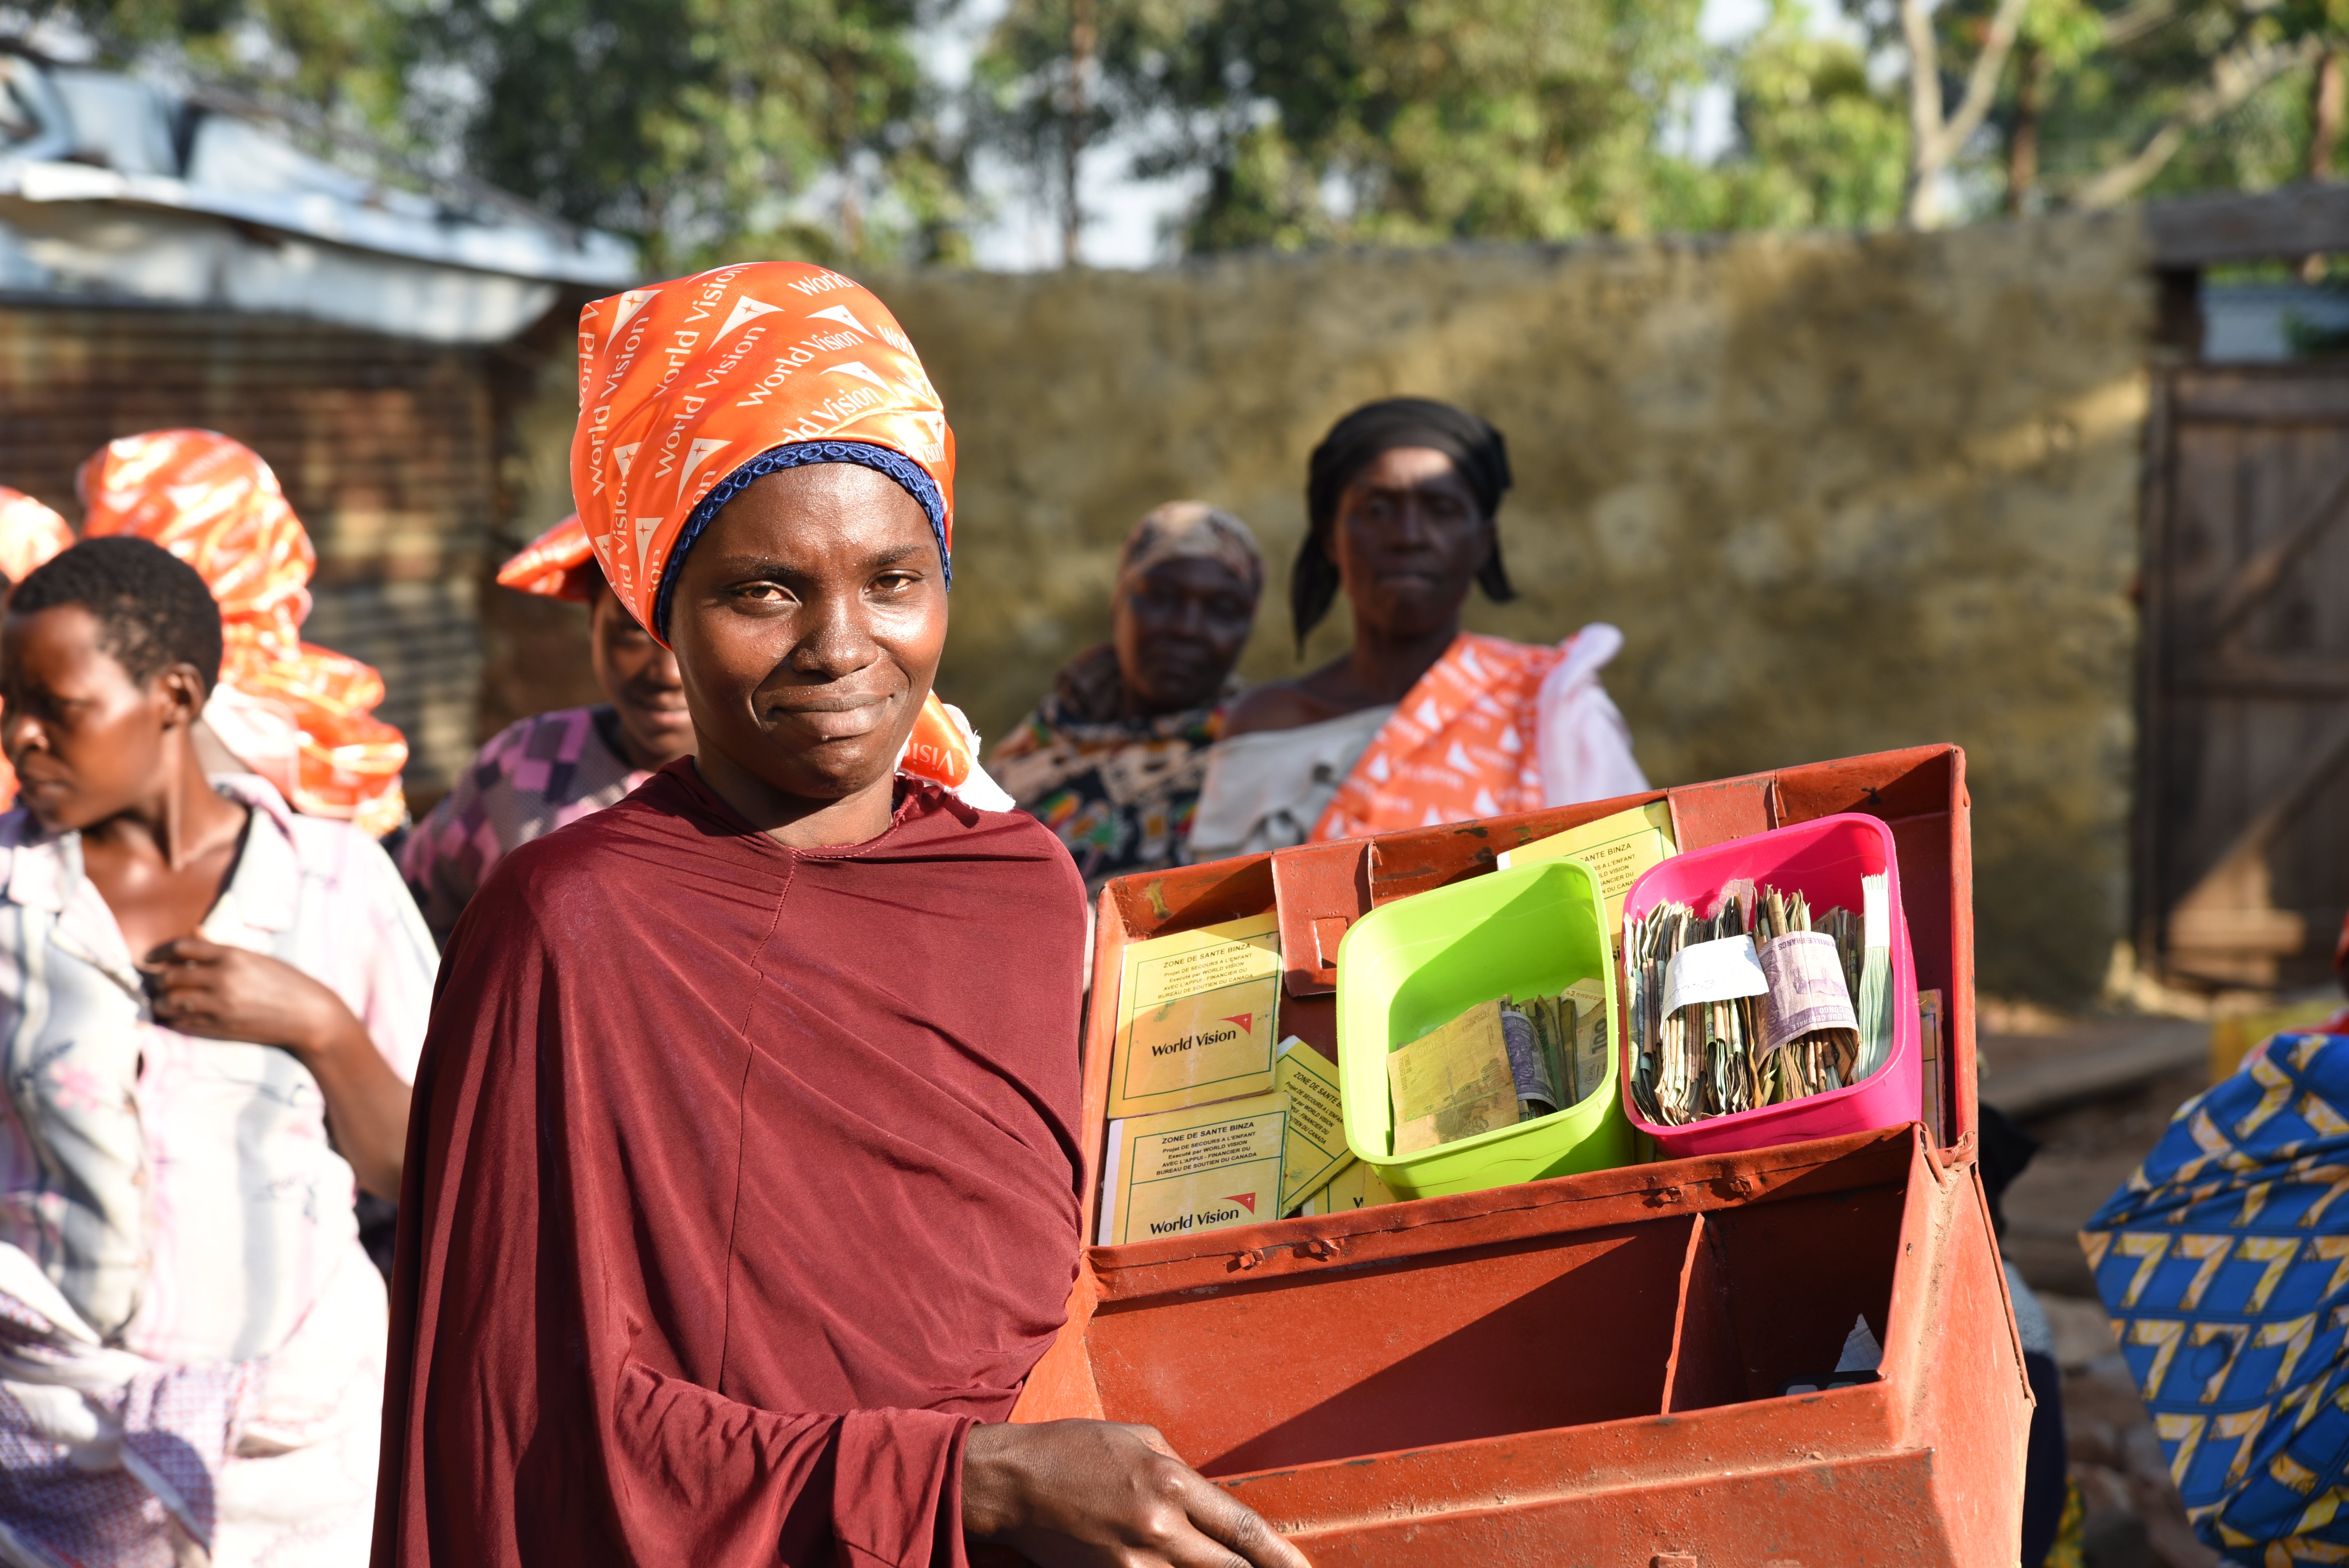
[1583,1370]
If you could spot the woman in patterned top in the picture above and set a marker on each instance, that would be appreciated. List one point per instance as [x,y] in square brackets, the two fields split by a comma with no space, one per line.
[540,772]
[211,1009]
[1111,759]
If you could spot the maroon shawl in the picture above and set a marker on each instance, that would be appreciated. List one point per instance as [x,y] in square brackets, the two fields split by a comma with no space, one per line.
[740,1181]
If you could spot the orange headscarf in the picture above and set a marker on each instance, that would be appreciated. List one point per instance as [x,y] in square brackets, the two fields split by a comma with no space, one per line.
[30,533]
[685,386]
[214,503]
[549,565]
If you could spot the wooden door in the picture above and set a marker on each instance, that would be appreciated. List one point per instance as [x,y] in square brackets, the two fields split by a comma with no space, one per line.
[2243,806]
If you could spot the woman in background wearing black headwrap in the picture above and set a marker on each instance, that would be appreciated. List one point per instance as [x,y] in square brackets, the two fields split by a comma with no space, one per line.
[1419,722]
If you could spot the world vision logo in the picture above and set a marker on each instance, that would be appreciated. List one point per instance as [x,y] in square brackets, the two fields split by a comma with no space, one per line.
[843,315]
[632,301]
[1201,1038]
[695,456]
[745,309]
[1242,1206]
[861,371]
[935,761]
[933,445]
[822,282]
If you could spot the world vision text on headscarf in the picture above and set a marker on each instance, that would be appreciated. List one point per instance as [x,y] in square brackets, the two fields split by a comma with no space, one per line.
[683,383]
[297,713]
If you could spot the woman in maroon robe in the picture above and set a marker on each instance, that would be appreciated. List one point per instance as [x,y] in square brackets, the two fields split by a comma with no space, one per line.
[742,1188]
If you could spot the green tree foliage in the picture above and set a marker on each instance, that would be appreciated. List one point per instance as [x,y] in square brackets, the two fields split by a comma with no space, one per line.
[2105,102]
[341,58]
[729,128]
[1378,121]
[2109,99]
[701,128]
[1818,145]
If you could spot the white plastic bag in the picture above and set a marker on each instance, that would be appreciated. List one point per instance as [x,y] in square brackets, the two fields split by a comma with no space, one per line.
[1581,741]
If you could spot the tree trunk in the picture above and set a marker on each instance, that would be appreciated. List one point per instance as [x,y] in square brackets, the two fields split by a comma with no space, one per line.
[2023,141]
[1081,44]
[1933,138]
[844,140]
[2324,116]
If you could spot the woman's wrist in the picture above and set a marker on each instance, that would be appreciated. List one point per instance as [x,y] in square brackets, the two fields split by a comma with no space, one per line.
[328,1040]
[991,1482]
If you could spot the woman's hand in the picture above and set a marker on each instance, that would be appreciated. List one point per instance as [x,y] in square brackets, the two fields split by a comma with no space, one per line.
[1072,1494]
[203,988]
[199,987]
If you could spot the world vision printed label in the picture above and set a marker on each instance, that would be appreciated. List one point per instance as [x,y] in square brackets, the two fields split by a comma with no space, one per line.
[1183,1172]
[1315,1148]
[683,383]
[1196,1016]
[1617,848]
[1356,1186]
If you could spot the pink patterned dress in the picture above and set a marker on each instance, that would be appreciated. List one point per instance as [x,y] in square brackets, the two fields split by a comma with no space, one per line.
[192,1339]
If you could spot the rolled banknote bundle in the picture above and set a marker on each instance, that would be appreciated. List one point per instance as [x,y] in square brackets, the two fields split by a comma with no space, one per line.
[1754,1004]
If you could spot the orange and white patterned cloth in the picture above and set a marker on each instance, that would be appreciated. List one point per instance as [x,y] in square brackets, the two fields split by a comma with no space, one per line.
[1494,726]
[30,533]
[1461,744]
[298,715]
[553,565]
[683,384]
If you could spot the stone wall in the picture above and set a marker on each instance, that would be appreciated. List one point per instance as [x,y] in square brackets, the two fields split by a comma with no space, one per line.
[385,446]
[1841,493]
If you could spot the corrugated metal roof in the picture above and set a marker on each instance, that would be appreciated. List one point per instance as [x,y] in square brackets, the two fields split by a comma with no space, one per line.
[110,185]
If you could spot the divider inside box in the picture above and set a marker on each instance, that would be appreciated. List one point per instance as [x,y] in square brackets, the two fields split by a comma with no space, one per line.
[1552,1332]
[1679,1312]
[1770,1292]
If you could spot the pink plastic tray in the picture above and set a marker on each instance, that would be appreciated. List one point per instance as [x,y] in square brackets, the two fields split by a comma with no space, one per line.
[1824,860]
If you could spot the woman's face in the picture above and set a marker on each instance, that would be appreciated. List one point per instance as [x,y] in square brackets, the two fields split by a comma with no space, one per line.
[87,742]
[1178,629]
[640,681]
[1409,541]
[808,621]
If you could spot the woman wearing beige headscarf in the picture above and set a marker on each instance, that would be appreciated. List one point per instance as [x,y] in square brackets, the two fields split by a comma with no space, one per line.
[1112,759]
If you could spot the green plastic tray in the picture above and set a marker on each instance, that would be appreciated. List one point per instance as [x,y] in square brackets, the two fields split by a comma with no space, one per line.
[1411,965]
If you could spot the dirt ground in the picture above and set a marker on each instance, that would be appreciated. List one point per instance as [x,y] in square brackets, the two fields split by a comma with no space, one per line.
[2133,1515]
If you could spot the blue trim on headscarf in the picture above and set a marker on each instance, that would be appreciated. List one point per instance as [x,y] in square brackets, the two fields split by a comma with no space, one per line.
[908,473]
